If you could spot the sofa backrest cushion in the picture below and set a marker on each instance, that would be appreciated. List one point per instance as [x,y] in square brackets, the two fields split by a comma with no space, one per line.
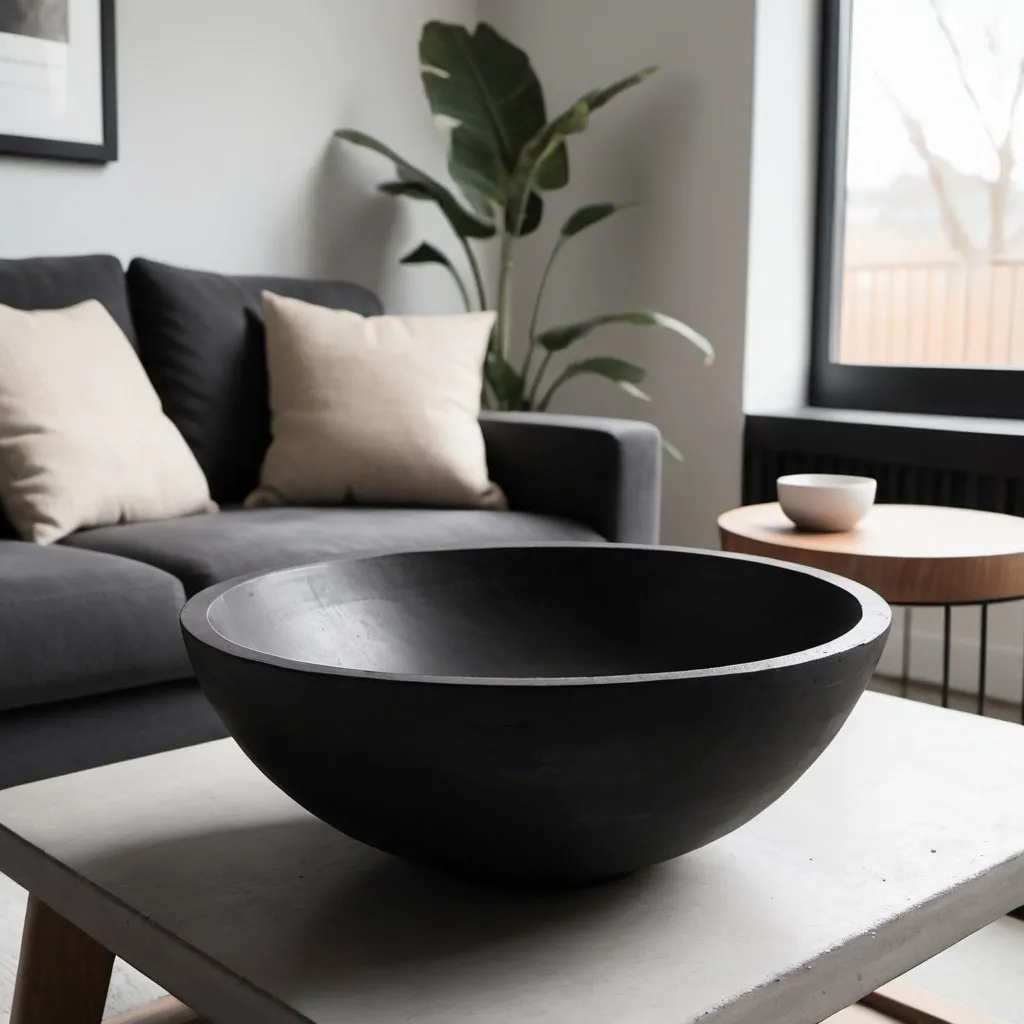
[202,342]
[56,282]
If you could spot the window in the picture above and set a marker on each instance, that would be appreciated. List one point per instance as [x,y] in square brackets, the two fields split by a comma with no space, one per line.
[920,259]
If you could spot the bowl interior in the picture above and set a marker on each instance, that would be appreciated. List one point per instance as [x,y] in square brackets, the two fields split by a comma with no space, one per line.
[535,612]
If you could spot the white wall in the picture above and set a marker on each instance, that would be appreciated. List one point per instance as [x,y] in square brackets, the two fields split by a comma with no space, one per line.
[679,144]
[783,179]
[226,114]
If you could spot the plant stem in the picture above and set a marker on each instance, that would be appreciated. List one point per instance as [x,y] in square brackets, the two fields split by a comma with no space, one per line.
[538,379]
[520,219]
[543,283]
[474,266]
[531,180]
[463,291]
[536,308]
[543,404]
[504,325]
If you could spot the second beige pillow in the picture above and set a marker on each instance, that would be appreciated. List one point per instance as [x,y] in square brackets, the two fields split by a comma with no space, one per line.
[374,410]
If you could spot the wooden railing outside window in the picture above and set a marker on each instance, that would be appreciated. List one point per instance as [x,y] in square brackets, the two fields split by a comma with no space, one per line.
[933,314]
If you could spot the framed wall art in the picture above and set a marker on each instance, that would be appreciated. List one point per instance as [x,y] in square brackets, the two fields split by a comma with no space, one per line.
[58,88]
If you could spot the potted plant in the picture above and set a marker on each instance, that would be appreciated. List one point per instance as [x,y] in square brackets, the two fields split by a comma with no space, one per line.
[503,154]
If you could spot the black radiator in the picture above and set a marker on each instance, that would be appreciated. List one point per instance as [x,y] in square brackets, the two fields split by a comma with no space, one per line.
[916,460]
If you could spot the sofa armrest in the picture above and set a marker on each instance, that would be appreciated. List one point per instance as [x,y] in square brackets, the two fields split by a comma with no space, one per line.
[605,473]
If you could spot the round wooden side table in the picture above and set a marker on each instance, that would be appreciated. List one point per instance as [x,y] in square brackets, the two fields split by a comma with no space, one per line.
[913,555]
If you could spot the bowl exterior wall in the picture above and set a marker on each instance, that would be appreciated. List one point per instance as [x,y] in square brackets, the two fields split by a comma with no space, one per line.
[543,784]
[831,510]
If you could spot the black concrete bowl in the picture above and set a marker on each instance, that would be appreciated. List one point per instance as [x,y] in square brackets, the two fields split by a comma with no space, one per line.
[543,715]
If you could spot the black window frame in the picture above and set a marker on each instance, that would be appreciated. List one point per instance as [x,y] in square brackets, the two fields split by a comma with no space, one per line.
[978,392]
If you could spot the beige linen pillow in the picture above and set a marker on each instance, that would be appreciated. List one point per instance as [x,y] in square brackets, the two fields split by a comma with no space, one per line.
[83,439]
[375,410]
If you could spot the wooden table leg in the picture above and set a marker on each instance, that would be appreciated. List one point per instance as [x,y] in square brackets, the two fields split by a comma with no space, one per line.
[63,974]
[904,1002]
[164,1011]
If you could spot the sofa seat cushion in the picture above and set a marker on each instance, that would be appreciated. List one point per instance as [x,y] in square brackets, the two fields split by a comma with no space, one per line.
[203,550]
[79,623]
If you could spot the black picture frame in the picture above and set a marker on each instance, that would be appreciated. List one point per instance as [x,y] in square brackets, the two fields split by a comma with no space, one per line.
[58,149]
[981,392]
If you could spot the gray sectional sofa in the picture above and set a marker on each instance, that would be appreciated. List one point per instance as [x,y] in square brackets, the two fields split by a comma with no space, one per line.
[92,666]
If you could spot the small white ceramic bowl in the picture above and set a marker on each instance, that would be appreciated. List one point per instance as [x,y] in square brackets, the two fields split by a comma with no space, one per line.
[826,502]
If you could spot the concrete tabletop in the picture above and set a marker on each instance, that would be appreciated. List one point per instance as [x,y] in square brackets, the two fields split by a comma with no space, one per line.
[906,836]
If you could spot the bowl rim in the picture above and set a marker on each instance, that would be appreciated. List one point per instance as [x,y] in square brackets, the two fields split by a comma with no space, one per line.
[827,481]
[875,620]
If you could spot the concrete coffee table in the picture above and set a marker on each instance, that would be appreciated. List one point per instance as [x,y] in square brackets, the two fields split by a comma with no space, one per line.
[906,836]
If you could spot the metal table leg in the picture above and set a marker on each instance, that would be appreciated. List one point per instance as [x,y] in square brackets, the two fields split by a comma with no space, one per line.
[983,660]
[908,625]
[947,616]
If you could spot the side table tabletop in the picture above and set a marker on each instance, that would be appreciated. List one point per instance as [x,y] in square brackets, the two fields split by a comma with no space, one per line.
[201,873]
[913,555]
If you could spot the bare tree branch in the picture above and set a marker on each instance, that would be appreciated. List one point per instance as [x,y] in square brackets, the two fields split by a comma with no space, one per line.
[992,40]
[943,177]
[1018,91]
[1000,190]
[993,28]
[938,177]
[961,70]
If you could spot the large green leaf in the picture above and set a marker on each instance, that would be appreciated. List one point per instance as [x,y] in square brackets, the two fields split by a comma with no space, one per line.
[671,450]
[534,214]
[597,98]
[426,253]
[483,88]
[557,338]
[419,185]
[481,178]
[627,375]
[532,167]
[464,224]
[587,216]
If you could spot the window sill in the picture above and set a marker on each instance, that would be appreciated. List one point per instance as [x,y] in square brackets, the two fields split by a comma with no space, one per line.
[899,421]
[929,459]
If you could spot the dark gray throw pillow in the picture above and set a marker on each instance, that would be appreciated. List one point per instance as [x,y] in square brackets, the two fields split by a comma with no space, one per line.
[202,342]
